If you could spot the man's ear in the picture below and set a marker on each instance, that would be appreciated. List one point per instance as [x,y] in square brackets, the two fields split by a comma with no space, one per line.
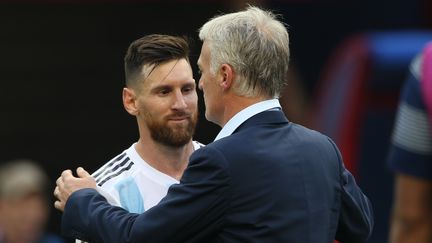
[227,76]
[129,101]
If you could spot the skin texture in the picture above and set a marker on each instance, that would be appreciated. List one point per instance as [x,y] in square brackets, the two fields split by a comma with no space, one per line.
[412,212]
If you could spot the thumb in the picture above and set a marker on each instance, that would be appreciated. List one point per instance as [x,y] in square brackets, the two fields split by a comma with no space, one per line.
[82,173]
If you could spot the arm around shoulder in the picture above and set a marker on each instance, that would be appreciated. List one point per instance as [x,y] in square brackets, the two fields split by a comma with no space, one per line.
[84,213]
[192,211]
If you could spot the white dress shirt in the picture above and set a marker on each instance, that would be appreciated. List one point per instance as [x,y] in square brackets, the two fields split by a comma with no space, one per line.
[245,114]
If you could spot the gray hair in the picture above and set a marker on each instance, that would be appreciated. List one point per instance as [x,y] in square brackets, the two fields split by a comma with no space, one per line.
[255,44]
[20,178]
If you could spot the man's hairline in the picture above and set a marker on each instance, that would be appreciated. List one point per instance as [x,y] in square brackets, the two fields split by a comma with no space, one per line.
[134,84]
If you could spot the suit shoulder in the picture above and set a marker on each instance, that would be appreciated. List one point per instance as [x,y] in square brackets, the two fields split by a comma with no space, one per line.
[211,153]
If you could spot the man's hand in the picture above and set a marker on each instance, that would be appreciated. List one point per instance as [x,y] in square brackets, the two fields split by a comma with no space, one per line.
[67,184]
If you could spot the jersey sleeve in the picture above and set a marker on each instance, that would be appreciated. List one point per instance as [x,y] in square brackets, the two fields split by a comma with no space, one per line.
[411,143]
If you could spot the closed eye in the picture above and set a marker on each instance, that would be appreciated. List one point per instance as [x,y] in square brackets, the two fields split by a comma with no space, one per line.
[188,89]
[163,91]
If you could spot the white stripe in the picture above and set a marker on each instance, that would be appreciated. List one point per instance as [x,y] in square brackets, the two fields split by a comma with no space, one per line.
[100,180]
[107,165]
[110,169]
[412,130]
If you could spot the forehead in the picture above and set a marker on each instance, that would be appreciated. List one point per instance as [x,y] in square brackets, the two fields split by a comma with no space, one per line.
[169,73]
[205,53]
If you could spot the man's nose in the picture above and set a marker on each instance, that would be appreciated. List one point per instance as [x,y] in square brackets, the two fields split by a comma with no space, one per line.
[179,101]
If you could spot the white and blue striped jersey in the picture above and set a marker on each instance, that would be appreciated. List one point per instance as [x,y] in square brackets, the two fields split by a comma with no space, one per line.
[131,183]
[411,147]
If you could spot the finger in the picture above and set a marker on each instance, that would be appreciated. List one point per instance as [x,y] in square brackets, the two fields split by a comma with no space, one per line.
[82,173]
[59,205]
[56,192]
[59,181]
[66,174]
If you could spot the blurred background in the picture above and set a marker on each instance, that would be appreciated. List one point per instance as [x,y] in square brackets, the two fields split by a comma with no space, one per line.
[61,77]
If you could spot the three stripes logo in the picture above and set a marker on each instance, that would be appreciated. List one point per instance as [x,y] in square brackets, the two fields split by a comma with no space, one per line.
[113,168]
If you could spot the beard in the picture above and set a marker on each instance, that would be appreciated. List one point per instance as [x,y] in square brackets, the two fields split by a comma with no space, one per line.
[175,135]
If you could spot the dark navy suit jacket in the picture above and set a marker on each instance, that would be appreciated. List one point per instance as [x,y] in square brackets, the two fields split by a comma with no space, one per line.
[270,181]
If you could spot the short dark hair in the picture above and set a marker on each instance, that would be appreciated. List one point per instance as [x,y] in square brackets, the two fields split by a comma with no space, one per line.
[152,50]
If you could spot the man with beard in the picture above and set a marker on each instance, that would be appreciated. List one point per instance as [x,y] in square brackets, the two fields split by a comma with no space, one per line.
[161,93]
[263,179]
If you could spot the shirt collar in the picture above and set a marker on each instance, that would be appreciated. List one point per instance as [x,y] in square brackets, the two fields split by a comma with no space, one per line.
[245,114]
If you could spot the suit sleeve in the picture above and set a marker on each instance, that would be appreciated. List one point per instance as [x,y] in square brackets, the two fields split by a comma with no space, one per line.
[356,215]
[192,210]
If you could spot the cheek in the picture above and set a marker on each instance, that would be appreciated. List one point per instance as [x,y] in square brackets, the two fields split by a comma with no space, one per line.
[192,101]
[204,80]
[151,105]
[145,113]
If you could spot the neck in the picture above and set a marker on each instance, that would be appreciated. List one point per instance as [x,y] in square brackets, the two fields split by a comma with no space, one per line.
[233,104]
[168,160]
